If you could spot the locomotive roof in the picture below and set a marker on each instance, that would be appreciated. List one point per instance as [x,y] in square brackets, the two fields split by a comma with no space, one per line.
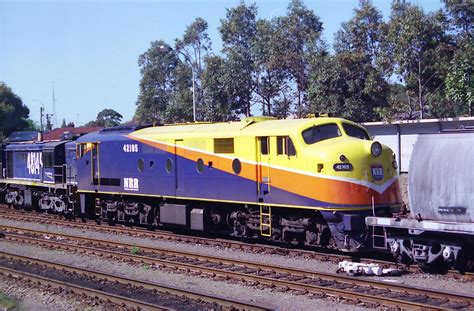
[246,127]
[35,146]
[103,136]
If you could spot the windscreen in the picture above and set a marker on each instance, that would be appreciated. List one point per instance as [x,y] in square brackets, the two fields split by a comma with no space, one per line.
[320,132]
[355,131]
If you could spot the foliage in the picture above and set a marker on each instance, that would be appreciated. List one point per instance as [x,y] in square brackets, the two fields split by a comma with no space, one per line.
[459,81]
[8,303]
[13,113]
[350,85]
[216,104]
[238,33]
[194,47]
[157,84]
[270,77]
[413,65]
[461,13]
[135,250]
[349,88]
[106,118]
[419,48]
[298,44]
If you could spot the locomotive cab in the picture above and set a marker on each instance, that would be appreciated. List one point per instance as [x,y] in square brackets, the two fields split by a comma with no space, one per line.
[361,178]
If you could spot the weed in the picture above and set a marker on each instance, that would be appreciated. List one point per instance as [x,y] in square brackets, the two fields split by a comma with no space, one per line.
[134,250]
[8,303]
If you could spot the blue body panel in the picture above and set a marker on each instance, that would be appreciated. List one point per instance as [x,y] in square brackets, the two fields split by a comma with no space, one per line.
[71,165]
[119,163]
[36,161]
[26,161]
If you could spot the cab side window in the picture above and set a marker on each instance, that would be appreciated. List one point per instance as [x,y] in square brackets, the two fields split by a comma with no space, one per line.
[319,133]
[285,146]
[264,145]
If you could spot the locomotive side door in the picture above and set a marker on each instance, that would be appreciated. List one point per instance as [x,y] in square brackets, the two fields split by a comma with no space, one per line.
[180,179]
[263,166]
[95,164]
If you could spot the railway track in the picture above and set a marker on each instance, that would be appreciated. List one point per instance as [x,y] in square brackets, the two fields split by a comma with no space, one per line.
[324,255]
[354,290]
[111,288]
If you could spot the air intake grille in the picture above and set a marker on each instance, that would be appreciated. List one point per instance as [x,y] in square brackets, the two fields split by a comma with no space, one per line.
[223,145]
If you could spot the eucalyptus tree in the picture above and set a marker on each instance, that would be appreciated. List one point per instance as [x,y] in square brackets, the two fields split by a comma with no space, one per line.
[216,105]
[158,82]
[417,49]
[193,47]
[459,82]
[270,78]
[352,85]
[238,33]
[298,37]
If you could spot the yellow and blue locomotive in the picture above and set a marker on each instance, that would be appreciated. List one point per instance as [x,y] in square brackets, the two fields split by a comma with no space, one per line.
[303,181]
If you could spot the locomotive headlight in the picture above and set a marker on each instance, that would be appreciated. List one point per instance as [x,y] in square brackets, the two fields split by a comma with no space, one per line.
[376,149]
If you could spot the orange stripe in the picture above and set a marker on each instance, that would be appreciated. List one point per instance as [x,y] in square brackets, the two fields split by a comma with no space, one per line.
[321,189]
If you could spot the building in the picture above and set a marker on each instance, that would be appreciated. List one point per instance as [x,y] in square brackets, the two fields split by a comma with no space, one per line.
[400,136]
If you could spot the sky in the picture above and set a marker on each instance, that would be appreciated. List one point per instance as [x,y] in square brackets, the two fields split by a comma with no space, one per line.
[88,50]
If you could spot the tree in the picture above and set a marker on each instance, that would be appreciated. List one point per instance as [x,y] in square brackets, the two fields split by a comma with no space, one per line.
[270,77]
[459,84]
[345,86]
[109,118]
[63,125]
[216,105]
[417,49]
[298,36]
[362,34]
[106,118]
[238,32]
[461,14]
[13,113]
[179,108]
[194,47]
[157,66]
[350,85]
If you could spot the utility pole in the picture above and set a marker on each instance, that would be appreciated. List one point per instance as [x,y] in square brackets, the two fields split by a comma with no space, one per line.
[41,118]
[49,125]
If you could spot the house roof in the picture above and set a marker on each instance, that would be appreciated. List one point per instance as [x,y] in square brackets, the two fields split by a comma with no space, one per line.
[75,131]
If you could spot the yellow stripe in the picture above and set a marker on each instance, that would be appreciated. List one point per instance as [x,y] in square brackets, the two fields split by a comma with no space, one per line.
[355,208]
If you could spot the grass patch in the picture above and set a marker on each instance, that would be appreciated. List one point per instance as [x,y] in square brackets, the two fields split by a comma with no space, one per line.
[7,302]
[135,250]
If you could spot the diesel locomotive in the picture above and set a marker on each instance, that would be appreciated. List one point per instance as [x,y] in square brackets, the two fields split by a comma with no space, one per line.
[303,181]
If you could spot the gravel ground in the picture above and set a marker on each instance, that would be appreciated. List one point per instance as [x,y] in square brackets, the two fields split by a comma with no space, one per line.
[430,281]
[32,298]
[272,299]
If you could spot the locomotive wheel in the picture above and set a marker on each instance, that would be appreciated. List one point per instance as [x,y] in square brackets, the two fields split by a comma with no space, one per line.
[465,262]
[438,267]
[403,259]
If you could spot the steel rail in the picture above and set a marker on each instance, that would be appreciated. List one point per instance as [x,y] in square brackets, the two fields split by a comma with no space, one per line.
[213,262]
[93,293]
[254,247]
[224,302]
